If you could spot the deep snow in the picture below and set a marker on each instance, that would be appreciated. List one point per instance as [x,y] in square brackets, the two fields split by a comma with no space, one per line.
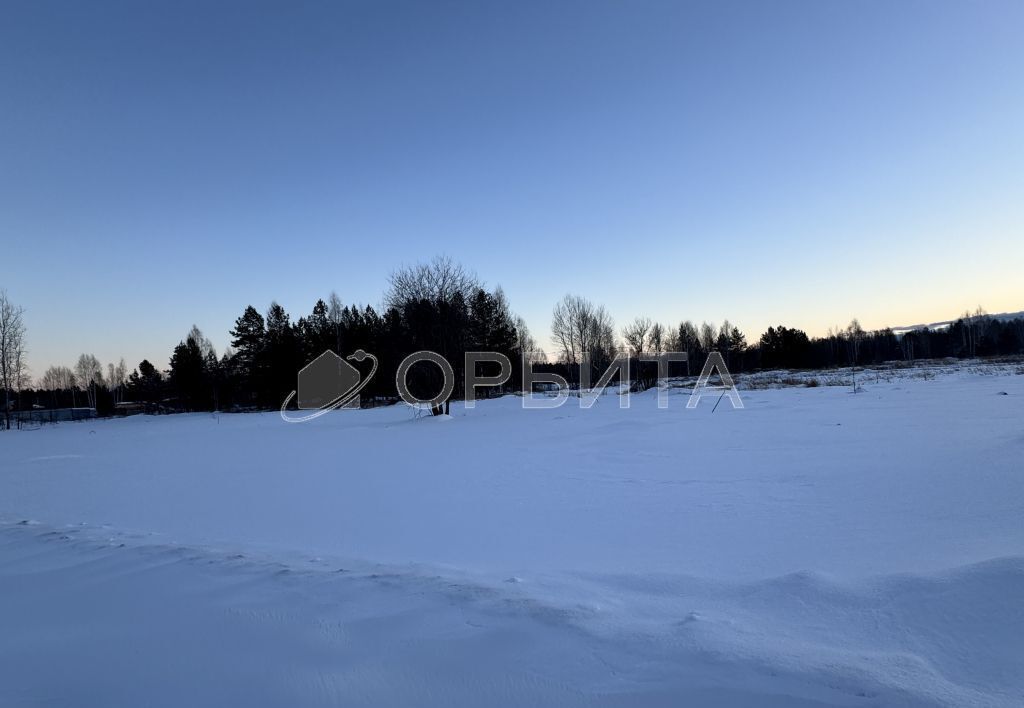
[815,548]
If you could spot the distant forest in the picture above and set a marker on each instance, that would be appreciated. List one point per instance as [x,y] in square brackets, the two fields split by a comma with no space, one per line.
[441,306]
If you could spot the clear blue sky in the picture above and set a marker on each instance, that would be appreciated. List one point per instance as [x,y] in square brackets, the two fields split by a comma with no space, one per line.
[168,163]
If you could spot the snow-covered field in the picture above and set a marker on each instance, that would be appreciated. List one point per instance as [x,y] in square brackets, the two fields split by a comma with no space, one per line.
[816,548]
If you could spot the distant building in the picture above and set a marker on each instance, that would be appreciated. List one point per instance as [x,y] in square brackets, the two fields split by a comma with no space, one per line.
[129,408]
[55,415]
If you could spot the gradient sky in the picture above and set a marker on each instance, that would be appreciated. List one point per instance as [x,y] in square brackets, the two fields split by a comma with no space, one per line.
[168,163]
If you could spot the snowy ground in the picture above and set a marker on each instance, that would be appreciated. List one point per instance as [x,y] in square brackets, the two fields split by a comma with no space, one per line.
[816,548]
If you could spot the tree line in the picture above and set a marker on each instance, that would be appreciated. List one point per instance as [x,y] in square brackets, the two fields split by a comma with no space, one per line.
[442,307]
[974,334]
[439,306]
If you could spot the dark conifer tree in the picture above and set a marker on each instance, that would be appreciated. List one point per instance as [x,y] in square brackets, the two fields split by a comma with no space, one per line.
[249,341]
[188,377]
[145,384]
[282,355]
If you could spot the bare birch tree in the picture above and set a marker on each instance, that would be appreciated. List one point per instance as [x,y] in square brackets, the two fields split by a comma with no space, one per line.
[656,340]
[56,379]
[635,335]
[334,316]
[13,368]
[708,337]
[526,345]
[583,332]
[89,373]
